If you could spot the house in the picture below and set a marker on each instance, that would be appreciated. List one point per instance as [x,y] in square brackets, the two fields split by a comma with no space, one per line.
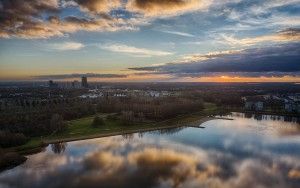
[154,94]
[255,103]
[259,106]
[291,106]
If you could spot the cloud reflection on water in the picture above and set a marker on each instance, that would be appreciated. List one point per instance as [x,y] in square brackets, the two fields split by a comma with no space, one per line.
[146,161]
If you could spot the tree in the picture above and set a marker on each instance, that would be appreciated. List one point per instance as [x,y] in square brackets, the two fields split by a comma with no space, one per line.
[127,117]
[59,147]
[57,123]
[98,121]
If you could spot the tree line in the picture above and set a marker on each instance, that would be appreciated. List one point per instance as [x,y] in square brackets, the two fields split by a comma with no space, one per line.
[37,122]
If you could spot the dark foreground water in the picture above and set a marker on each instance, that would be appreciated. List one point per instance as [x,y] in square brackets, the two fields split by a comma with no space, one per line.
[250,151]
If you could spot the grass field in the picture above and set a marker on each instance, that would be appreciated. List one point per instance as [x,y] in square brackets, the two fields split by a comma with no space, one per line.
[82,128]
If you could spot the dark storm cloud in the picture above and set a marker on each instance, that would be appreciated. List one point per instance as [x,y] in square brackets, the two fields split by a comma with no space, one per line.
[66,76]
[276,61]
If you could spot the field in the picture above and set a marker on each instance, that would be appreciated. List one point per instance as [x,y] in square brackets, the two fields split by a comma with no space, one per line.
[82,128]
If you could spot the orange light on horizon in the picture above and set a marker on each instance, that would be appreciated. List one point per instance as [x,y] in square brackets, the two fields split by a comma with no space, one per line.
[131,77]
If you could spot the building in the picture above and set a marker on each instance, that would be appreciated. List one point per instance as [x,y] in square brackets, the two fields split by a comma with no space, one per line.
[52,84]
[76,84]
[84,82]
[154,94]
[255,103]
[259,106]
[291,106]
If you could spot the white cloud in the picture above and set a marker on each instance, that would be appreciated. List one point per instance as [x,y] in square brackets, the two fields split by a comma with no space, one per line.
[134,51]
[177,33]
[65,46]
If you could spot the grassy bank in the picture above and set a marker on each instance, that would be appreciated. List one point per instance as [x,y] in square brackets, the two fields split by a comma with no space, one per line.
[117,129]
[82,129]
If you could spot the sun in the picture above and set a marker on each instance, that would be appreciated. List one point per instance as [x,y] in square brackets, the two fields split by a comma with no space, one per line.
[224,77]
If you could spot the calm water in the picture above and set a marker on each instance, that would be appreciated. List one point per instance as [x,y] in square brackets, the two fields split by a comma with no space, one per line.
[250,151]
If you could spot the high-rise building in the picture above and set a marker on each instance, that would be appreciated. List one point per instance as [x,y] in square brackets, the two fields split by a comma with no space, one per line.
[84,82]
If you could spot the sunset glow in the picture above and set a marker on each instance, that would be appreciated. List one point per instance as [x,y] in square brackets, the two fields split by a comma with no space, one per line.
[133,40]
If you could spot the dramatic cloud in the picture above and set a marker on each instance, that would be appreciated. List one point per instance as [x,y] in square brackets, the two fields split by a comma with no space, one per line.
[39,19]
[66,46]
[278,61]
[26,19]
[69,76]
[23,18]
[131,50]
[210,24]
[158,8]
[43,19]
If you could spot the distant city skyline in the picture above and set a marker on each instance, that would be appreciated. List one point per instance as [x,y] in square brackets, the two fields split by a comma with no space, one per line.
[150,40]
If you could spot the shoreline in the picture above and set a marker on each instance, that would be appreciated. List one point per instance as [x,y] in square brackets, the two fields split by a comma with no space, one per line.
[137,130]
[23,153]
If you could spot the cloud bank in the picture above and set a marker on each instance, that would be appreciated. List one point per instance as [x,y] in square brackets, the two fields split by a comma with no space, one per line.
[75,75]
[278,61]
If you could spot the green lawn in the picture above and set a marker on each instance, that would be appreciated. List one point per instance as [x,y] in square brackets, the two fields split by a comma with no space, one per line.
[75,128]
[210,108]
[81,128]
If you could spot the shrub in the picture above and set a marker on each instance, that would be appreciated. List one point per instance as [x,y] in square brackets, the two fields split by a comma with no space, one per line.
[57,123]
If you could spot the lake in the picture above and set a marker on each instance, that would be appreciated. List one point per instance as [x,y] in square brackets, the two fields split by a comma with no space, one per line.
[249,151]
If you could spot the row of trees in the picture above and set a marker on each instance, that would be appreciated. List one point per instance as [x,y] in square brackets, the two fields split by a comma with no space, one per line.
[150,108]
[50,118]
[39,122]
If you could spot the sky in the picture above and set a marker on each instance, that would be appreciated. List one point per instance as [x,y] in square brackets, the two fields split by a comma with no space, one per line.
[150,40]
